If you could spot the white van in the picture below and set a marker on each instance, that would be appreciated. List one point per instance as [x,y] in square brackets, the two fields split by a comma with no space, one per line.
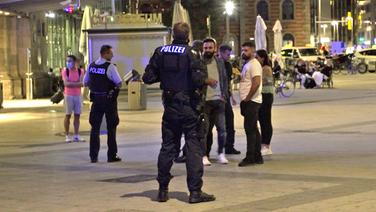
[309,54]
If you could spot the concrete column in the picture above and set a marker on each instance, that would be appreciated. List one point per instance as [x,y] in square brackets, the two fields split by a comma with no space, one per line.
[7,78]
[13,54]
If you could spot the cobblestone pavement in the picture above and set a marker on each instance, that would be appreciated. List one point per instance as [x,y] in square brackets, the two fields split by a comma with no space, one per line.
[324,159]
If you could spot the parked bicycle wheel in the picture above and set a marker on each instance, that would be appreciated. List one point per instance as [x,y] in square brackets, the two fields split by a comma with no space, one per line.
[288,88]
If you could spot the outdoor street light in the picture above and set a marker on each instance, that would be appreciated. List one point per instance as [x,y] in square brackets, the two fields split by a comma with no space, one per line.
[229,6]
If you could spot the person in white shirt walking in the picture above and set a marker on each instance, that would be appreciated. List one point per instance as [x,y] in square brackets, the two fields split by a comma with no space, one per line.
[251,99]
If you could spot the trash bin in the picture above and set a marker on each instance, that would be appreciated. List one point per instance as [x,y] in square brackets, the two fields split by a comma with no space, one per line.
[1,95]
[136,95]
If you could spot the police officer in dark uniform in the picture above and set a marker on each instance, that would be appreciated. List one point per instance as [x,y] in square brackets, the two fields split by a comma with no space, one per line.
[180,75]
[104,83]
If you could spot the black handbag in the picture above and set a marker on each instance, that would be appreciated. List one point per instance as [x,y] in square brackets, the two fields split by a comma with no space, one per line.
[57,97]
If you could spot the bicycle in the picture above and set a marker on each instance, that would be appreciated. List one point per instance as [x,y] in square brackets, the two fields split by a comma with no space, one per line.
[284,86]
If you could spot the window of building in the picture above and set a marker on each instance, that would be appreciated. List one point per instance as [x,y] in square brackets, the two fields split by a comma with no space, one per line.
[287,10]
[288,39]
[263,9]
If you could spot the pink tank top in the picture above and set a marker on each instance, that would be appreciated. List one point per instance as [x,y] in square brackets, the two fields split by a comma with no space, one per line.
[73,77]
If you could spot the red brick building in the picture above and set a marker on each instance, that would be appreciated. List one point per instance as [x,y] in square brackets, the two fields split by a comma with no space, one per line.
[293,14]
[295,17]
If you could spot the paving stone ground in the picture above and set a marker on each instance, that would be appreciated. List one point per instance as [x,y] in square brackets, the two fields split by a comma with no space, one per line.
[324,159]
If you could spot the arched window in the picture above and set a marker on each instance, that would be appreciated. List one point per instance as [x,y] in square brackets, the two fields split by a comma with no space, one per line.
[288,39]
[263,9]
[287,10]
[146,8]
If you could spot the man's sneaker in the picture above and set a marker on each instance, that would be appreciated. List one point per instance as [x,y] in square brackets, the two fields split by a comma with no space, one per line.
[68,139]
[222,159]
[232,151]
[206,161]
[162,195]
[198,196]
[266,151]
[76,138]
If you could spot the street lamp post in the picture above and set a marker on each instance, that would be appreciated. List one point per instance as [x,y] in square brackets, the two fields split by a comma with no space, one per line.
[229,6]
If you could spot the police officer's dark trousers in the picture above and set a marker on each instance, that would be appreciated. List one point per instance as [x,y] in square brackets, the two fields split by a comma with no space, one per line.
[108,106]
[179,116]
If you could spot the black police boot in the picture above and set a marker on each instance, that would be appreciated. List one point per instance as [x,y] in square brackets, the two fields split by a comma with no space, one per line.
[180,159]
[199,196]
[246,162]
[162,195]
[94,160]
[259,160]
[114,159]
[232,151]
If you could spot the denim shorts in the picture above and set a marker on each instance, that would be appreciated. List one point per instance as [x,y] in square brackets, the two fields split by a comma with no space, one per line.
[73,104]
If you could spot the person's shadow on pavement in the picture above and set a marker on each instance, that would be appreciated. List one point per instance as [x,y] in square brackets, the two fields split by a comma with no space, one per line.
[152,194]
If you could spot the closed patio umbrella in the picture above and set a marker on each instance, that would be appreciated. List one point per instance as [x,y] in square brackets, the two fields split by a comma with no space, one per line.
[277,29]
[260,38]
[180,14]
[86,24]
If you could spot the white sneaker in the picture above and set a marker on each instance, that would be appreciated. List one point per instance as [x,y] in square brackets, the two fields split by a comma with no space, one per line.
[266,151]
[222,159]
[68,139]
[77,138]
[206,161]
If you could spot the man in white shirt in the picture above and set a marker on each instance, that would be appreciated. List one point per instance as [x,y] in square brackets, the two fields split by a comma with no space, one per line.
[251,99]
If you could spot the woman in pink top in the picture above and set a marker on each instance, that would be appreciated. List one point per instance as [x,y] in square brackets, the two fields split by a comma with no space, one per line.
[72,78]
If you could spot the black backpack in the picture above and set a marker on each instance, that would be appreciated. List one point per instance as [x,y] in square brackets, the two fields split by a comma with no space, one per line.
[79,72]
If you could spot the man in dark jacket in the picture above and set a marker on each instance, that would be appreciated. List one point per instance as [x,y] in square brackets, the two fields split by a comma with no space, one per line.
[179,72]
[224,54]
[216,97]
